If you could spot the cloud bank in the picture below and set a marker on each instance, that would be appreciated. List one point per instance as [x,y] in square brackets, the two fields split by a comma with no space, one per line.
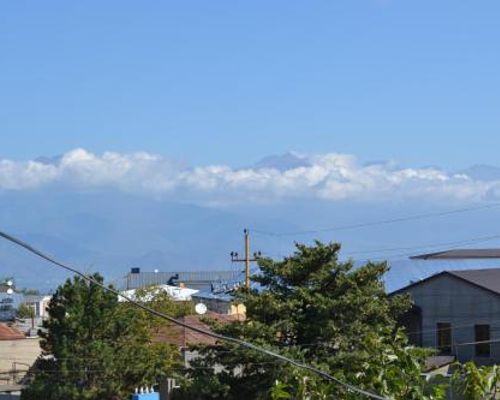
[330,177]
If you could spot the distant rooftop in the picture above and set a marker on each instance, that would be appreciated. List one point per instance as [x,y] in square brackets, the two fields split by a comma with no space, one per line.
[192,279]
[460,254]
[175,334]
[10,333]
[485,278]
[488,279]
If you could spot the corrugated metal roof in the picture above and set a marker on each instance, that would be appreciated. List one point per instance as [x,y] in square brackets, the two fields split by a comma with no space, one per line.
[192,279]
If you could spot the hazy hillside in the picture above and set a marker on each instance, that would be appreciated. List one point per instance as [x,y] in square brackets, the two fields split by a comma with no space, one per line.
[111,230]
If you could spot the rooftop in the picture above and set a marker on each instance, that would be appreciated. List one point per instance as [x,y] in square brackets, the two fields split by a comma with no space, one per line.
[486,278]
[180,336]
[10,333]
[193,279]
[460,254]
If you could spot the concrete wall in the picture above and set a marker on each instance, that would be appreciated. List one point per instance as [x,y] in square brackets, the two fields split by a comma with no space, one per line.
[24,351]
[449,299]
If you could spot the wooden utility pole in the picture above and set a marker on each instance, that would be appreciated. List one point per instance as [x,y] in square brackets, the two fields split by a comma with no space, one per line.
[247,259]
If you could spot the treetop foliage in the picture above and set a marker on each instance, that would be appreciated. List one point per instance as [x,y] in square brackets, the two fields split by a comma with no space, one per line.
[323,312]
[95,348]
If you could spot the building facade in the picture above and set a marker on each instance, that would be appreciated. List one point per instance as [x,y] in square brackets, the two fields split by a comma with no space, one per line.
[457,313]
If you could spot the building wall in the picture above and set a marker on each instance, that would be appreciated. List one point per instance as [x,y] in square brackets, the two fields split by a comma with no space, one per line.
[218,306]
[24,351]
[448,299]
[8,305]
[221,306]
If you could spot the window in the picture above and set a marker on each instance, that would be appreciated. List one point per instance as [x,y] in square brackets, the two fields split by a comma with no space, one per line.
[444,337]
[482,335]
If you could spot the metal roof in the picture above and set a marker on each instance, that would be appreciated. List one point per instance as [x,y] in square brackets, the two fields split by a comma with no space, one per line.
[407,271]
[460,254]
[401,274]
[485,278]
[192,279]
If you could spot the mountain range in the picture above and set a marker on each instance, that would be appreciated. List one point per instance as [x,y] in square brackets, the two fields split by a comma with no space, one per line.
[110,231]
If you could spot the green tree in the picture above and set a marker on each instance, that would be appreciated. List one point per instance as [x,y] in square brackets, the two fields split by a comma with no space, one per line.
[94,347]
[25,311]
[476,383]
[322,312]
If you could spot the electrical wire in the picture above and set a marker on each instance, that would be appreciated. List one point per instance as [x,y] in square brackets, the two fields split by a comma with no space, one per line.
[380,222]
[381,251]
[463,242]
[223,338]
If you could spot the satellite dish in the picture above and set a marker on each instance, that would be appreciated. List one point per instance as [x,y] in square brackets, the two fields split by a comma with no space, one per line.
[10,291]
[156,271]
[10,283]
[200,308]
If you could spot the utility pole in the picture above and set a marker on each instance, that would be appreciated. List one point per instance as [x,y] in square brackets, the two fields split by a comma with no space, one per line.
[247,259]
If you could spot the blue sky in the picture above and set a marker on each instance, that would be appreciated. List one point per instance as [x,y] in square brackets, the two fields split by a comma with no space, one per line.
[232,81]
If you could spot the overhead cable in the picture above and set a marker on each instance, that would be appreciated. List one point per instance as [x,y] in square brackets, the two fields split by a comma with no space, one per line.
[202,331]
[380,222]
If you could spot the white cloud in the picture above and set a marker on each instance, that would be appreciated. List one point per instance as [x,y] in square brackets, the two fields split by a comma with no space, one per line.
[326,176]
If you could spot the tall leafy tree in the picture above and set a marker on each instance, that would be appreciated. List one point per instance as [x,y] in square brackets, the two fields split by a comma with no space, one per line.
[322,312]
[95,348]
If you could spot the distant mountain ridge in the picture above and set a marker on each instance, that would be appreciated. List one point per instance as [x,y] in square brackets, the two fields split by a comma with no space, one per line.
[283,162]
[111,231]
[482,172]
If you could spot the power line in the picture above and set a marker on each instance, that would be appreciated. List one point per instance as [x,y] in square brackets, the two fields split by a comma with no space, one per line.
[463,242]
[224,338]
[380,222]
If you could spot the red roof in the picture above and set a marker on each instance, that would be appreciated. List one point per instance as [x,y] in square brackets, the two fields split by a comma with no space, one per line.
[174,334]
[10,333]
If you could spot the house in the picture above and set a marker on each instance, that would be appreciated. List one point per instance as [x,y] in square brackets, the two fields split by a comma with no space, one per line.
[404,271]
[9,302]
[184,338]
[457,313]
[39,303]
[212,288]
[17,353]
